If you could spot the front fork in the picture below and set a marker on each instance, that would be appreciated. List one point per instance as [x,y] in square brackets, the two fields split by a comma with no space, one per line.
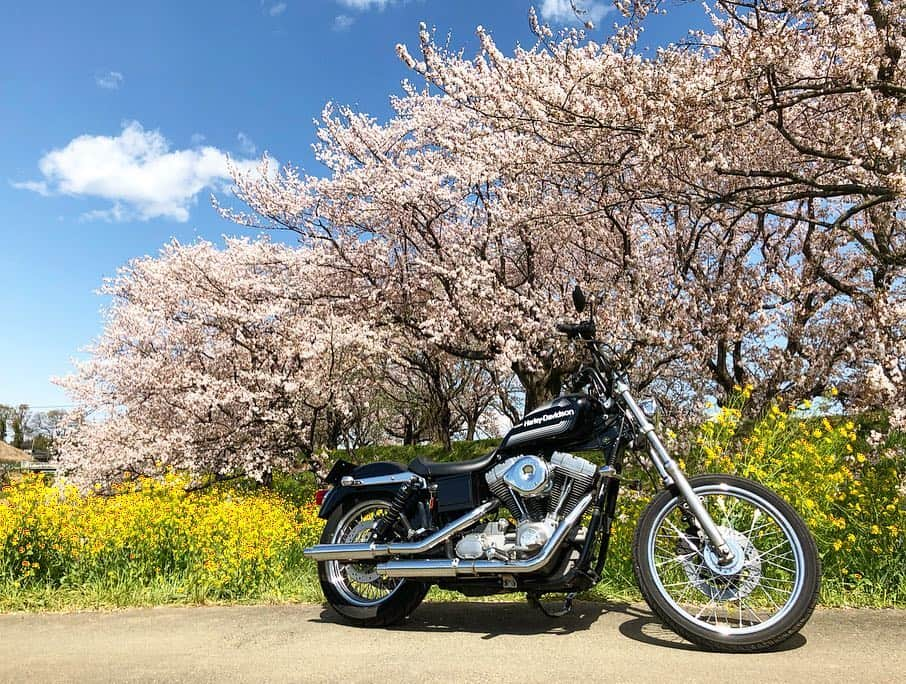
[671,474]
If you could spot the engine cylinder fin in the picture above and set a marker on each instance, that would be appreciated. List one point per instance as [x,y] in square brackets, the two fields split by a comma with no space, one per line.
[579,472]
[536,508]
[502,492]
[557,489]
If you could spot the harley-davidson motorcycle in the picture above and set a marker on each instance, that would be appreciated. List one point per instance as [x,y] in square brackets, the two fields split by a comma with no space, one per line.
[721,560]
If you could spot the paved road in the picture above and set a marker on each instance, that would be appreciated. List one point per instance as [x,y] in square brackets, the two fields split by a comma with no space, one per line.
[456,642]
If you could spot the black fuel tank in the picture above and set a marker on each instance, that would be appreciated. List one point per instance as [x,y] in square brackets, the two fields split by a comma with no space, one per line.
[565,422]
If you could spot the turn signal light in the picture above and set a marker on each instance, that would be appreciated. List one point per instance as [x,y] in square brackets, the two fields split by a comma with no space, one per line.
[319,496]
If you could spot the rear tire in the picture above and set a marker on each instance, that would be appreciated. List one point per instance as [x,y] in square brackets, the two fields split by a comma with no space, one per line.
[354,590]
[756,603]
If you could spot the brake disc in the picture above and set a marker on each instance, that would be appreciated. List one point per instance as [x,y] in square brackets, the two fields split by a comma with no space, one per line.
[359,572]
[724,583]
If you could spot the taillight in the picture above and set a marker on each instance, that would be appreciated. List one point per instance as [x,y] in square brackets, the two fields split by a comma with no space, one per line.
[319,496]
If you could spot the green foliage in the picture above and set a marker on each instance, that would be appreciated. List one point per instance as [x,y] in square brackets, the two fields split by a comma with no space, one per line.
[40,447]
[221,542]
[154,543]
[298,489]
[852,495]
[460,451]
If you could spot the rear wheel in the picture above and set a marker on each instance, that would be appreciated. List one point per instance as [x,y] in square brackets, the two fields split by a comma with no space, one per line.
[354,589]
[757,601]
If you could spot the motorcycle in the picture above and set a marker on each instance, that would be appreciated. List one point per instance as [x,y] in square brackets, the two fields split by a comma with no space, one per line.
[721,560]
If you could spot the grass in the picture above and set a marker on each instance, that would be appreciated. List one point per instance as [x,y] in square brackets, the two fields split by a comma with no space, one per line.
[300,585]
[295,588]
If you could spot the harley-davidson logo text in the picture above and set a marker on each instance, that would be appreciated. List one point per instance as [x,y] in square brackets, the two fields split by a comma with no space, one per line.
[565,413]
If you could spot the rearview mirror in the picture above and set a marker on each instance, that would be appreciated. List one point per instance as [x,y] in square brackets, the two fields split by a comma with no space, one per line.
[649,407]
[578,299]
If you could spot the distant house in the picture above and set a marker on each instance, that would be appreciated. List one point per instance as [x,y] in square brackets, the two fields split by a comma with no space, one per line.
[40,455]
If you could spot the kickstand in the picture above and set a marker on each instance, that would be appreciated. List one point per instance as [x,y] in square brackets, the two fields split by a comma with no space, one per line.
[535,600]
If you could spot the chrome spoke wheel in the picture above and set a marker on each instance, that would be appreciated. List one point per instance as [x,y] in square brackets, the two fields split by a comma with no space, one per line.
[754,601]
[754,591]
[358,582]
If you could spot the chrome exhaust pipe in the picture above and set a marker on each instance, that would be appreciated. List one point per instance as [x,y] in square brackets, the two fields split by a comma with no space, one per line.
[446,567]
[426,568]
[351,552]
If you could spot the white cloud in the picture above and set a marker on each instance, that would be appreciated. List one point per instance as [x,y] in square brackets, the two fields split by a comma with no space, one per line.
[365,5]
[114,214]
[39,187]
[342,22]
[135,170]
[562,12]
[246,144]
[277,9]
[197,138]
[112,80]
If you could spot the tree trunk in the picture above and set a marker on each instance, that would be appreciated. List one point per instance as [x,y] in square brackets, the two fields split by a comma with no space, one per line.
[333,429]
[540,386]
[443,425]
[471,426]
[409,432]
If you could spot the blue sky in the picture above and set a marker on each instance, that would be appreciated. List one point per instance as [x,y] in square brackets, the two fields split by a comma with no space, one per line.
[116,119]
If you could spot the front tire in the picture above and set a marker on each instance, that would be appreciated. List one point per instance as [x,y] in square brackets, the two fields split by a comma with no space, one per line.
[757,602]
[355,590]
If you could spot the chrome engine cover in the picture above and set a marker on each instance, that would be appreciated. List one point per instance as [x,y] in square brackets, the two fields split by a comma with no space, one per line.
[529,476]
[531,536]
[493,538]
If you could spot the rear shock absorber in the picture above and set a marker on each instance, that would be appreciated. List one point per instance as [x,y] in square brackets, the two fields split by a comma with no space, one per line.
[397,506]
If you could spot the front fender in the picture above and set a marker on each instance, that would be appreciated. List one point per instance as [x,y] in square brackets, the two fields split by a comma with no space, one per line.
[339,494]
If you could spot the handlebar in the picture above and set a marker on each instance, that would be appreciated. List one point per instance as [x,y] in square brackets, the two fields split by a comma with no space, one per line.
[603,368]
[584,330]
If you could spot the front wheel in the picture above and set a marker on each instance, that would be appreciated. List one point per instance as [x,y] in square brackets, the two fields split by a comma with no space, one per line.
[752,604]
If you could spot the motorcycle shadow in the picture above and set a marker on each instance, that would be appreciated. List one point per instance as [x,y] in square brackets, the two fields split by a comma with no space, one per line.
[493,619]
[648,629]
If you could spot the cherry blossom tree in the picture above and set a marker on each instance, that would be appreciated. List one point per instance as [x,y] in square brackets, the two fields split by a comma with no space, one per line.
[242,360]
[474,260]
[436,396]
[734,204]
[772,146]
[213,362]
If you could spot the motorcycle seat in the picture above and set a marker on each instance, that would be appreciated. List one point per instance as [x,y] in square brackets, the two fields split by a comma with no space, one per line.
[431,469]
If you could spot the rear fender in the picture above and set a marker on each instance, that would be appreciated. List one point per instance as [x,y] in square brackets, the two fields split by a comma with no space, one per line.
[338,494]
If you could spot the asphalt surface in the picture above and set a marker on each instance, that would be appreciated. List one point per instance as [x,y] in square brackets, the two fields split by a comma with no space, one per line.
[453,642]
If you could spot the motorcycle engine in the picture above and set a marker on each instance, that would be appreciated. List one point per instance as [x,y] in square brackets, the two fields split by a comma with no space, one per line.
[538,494]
